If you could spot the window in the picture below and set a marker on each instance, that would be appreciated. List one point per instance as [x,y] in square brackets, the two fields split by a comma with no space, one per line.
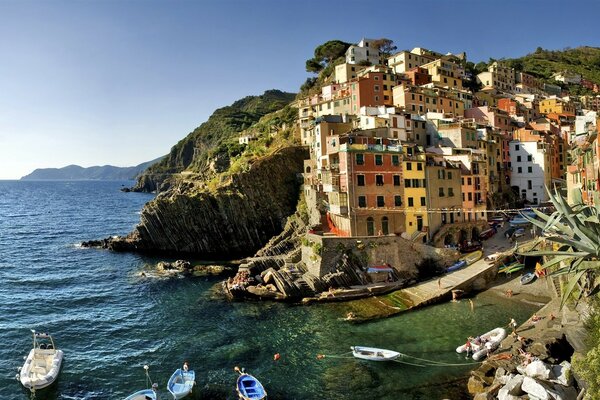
[397,201]
[516,147]
[411,202]
[407,183]
[470,196]
[409,166]
[379,180]
[530,169]
[518,158]
[419,166]
[529,186]
[520,170]
[441,192]
[360,159]
[362,201]
[450,192]
[380,201]
[395,161]
[376,88]
[462,180]
[396,180]
[423,201]
[449,175]
[378,159]
[469,181]
[360,180]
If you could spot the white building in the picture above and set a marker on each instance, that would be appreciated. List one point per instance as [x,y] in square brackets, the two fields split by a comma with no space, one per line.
[363,51]
[585,123]
[530,163]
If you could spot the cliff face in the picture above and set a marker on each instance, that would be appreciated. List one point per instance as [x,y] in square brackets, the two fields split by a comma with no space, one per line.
[235,219]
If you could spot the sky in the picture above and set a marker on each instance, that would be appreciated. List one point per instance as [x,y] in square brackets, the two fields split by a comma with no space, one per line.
[120,82]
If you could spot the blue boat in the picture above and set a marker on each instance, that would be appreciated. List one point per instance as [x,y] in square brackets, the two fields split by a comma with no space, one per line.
[147,394]
[181,383]
[456,265]
[249,388]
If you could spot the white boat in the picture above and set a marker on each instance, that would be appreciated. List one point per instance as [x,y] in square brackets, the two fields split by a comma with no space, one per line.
[480,346]
[374,354]
[181,383]
[145,394]
[42,365]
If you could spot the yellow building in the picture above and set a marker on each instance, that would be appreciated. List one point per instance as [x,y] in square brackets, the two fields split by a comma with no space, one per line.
[415,191]
[444,199]
[445,73]
[556,105]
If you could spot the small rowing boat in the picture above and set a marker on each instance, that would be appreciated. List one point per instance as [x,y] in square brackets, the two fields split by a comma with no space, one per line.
[145,394]
[472,257]
[374,354]
[248,387]
[181,383]
[457,265]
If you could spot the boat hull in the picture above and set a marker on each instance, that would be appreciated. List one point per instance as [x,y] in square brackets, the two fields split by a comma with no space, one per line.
[41,368]
[527,278]
[250,388]
[181,383]
[374,354]
[492,339]
[143,395]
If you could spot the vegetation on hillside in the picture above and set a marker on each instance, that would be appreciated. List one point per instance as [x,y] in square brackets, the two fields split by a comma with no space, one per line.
[223,125]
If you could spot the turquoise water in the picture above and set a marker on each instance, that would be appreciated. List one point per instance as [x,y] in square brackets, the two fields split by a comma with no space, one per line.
[110,321]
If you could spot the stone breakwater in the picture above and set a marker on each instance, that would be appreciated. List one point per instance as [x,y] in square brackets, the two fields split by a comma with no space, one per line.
[235,219]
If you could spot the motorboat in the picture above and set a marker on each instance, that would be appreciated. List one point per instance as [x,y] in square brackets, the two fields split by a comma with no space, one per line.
[472,257]
[42,365]
[145,394]
[527,278]
[248,387]
[374,354]
[481,345]
[181,383]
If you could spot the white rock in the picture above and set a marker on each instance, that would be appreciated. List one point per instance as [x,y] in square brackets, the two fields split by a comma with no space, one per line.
[503,380]
[535,389]
[538,369]
[514,385]
[503,395]
[562,374]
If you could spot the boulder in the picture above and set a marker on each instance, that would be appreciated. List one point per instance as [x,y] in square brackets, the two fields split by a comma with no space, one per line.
[171,267]
[562,374]
[564,393]
[535,389]
[204,270]
[503,395]
[474,385]
[504,379]
[513,386]
[538,369]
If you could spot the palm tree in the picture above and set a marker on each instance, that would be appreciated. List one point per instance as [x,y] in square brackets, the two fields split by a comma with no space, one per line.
[575,229]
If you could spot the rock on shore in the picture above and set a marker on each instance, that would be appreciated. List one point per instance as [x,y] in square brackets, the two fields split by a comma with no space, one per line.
[236,218]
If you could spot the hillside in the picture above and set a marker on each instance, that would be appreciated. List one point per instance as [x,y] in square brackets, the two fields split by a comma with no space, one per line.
[543,63]
[76,172]
[224,124]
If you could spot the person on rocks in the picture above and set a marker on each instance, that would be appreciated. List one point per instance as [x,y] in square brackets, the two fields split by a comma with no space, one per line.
[468,347]
[513,325]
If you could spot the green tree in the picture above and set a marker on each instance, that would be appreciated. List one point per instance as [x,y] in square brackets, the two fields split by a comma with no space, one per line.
[329,51]
[385,46]
[313,65]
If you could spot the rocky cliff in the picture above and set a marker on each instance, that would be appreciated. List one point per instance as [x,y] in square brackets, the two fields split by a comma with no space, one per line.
[236,218]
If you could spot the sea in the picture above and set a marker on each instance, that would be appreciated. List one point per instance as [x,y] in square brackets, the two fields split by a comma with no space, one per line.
[111,316]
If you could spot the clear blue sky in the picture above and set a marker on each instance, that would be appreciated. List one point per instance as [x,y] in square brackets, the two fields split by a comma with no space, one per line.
[120,82]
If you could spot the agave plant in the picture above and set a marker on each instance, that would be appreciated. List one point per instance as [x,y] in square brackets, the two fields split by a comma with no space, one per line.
[576,230]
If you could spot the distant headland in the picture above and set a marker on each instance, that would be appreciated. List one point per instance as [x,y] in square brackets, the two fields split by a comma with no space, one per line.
[76,172]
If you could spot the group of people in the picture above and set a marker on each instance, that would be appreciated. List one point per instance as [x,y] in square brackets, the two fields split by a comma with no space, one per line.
[474,344]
